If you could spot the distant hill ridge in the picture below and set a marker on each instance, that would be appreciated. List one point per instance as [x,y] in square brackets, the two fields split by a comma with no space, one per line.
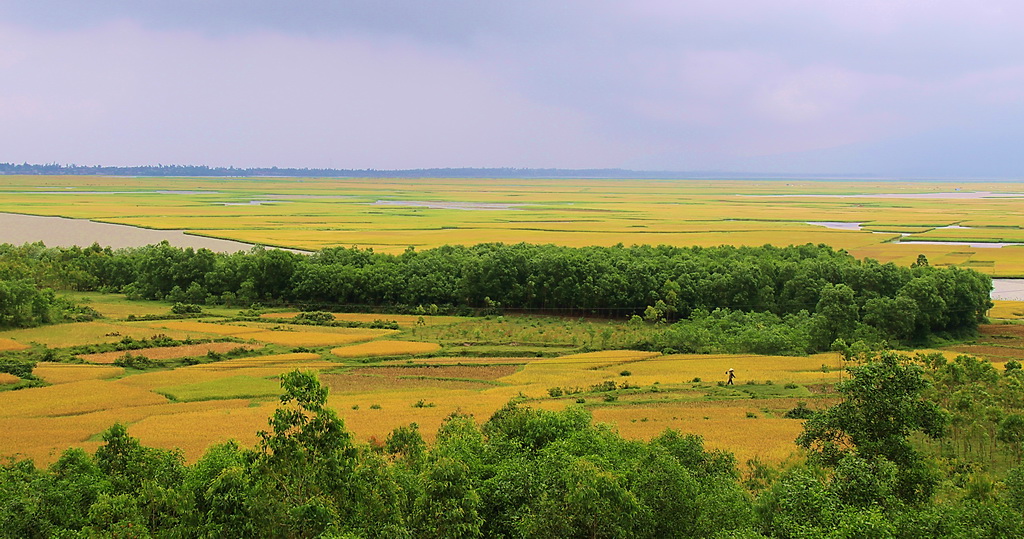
[465,172]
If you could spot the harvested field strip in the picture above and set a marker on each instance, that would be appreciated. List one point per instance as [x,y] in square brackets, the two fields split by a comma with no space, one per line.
[470,361]
[483,372]
[309,338]
[8,379]
[233,387]
[63,373]
[8,344]
[1001,352]
[1002,341]
[341,384]
[205,327]
[386,348]
[1008,330]
[74,398]
[169,352]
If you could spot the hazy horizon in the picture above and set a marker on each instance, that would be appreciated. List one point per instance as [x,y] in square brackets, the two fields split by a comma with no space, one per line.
[880,89]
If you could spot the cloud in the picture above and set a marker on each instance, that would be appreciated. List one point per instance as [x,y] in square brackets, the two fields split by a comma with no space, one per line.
[142,96]
[404,83]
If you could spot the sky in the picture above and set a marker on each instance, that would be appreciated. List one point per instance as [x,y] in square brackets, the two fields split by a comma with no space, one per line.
[894,88]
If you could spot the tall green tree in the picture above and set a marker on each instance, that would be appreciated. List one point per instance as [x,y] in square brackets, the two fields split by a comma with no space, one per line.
[883,403]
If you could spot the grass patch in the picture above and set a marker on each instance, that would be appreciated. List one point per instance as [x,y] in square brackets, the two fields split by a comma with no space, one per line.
[234,387]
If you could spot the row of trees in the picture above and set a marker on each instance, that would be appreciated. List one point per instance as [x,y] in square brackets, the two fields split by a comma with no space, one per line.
[523,473]
[847,295]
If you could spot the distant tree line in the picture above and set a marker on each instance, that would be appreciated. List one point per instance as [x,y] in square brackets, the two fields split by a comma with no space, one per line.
[203,171]
[788,299]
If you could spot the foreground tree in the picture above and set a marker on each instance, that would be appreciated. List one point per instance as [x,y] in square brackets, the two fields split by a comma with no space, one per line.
[883,404]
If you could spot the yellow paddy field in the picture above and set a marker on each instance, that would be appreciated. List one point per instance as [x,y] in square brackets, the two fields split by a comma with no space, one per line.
[881,220]
[1007,310]
[383,379]
[640,393]
[386,348]
[193,406]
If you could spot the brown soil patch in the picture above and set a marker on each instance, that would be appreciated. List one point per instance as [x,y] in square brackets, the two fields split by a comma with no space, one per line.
[169,352]
[1000,352]
[1006,330]
[482,372]
[459,361]
[1000,340]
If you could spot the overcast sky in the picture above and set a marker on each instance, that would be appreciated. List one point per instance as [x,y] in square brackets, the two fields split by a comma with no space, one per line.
[889,87]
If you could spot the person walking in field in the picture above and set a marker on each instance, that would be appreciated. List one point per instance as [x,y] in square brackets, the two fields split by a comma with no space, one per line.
[731,376]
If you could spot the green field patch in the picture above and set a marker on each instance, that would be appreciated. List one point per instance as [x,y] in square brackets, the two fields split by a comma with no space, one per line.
[117,306]
[234,387]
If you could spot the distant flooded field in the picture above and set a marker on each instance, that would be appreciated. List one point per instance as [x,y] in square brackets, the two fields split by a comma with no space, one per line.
[975,225]
[959,195]
[1008,289]
[61,232]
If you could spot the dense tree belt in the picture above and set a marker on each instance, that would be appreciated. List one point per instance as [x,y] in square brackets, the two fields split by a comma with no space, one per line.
[823,293]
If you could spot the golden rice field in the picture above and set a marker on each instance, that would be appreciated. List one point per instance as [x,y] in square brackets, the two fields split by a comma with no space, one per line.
[6,379]
[63,373]
[392,214]
[82,333]
[42,438]
[10,344]
[289,335]
[386,348]
[261,366]
[316,338]
[193,406]
[229,330]
[1009,310]
[740,426]
[74,398]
